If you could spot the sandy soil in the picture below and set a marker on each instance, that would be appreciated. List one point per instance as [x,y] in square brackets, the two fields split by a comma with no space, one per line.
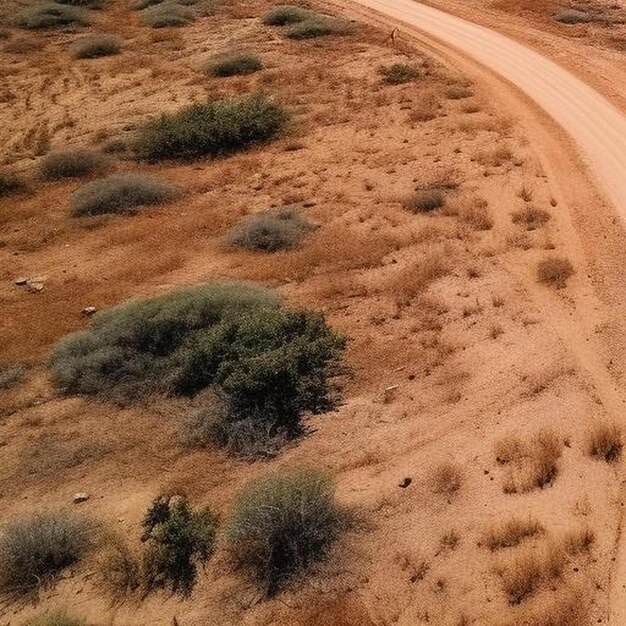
[480,355]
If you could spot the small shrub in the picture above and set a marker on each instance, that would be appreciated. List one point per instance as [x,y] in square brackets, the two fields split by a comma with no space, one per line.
[72,164]
[458,92]
[530,218]
[140,5]
[605,442]
[268,232]
[554,271]
[56,619]
[282,524]
[512,533]
[11,374]
[578,541]
[424,201]
[213,129]
[284,15]
[572,16]
[120,569]
[121,193]
[235,64]
[446,479]
[95,46]
[478,217]
[177,539]
[311,28]
[86,4]
[10,183]
[166,15]
[37,548]
[50,15]
[399,73]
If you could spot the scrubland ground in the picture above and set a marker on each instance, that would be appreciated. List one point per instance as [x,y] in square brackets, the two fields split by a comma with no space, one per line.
[469,375]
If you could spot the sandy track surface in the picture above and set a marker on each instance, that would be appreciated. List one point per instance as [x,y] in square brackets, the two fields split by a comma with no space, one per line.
[597,127]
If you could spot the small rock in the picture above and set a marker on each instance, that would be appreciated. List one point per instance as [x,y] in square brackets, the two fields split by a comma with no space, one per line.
[405,482]
[89,310]
[21,281]
[80,497]
[34,285]
[389,393]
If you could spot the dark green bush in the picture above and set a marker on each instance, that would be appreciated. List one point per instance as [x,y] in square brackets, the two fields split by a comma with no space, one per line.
[50,15]
[11,374]
[270,364]
[177,539]
[399,73]
[121,193]
[313,27]
[37,548]
[271,231]
[95,46]
[234,64]
[10,183]
[213,129]
[285,14]
[166,15]
[282,524]
[425,201]
[72,164]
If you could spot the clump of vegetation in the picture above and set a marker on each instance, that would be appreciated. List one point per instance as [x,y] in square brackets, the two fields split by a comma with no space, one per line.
[213,129]
[178,538]
[271,231]
[579,541]
[35,549]
[605,442]
[234,64]
[285,15]
[572,16]
[56,619]
[313,27]
[10,183]
[72,164]
[11,374]
[50,15]
[282,524]
[425,201]
[270,364]
[554,271]
[458,92]
[446,479]
[166,15]
[512,533]
[86,4]
[120,569]
[95,46]
[530,218]
[121,193]
[399,73]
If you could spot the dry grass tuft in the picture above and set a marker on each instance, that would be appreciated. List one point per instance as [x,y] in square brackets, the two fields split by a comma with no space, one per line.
[446,479]
[530,218]
[415,279]
[512,533]
[424,201]
[554,271]
[579,541]
[605,441]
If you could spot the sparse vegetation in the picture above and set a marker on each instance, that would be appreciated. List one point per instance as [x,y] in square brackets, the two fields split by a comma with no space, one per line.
[213,129]
[119,568]
[121,193]
[50,15]
[605,442]
[530,218]
[11,374]
[178,539]
[285,15]
[458,92]
[399,73]
[554,271]
[313,27]
[86,4]
[271,231]
[282,524]
[578,541]
[35,549]
[572,16]
[425,201]
[235,64]
[56,619]
[95,46]
[512,533]
[166,15]
[10,183]
[72,164]
[446,479]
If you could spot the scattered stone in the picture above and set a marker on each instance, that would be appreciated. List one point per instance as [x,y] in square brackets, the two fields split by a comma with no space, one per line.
[389,394]
[80,497]
[21,281]
[35,285]
[89,310]
[405,482]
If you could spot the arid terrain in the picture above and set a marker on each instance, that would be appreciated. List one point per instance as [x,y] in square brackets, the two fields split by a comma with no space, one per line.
[456,237]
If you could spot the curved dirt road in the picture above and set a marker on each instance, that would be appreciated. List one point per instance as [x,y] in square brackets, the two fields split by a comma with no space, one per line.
[597,127]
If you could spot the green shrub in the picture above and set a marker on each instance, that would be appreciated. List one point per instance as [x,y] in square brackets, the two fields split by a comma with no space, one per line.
[11,374]
[425,201]
[10,183]
[282,524]
[72,164]
[234,64]
[285,14]
[271,231]
[95,46]
[50,15]
[56,619]
[212,129]
[166,15]
[311,28]
[270,364]
[37,548]
[87,4]
[177,539]
[121,193]
[572,16]
[399,73]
